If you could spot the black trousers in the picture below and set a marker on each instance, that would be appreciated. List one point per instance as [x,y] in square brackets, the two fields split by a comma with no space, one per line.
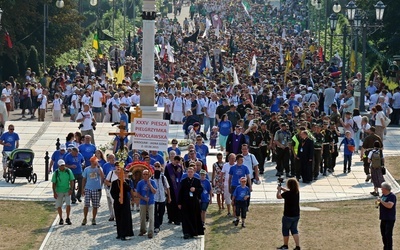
[317,162]
[263,152]
[282,160]
[387,234]
[159,211]
[78,179]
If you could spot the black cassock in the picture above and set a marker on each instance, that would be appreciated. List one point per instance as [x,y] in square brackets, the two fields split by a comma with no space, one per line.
[190,210]
[306,153]
[123,215]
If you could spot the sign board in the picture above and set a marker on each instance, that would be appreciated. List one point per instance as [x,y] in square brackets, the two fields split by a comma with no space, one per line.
[150,134]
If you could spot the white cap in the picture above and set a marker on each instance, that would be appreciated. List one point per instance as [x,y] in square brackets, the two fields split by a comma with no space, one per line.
[61,162]
[309,88]
[63,147]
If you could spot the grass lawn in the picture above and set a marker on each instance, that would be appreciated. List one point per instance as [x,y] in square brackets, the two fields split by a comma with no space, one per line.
[338,225]
[24,224]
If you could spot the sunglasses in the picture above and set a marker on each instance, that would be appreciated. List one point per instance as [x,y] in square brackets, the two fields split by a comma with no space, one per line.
[11,129]
[145,174]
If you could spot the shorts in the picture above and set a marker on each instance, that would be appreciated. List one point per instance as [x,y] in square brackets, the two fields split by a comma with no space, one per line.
[71,111]
[5,157]
[290,223]
[227,195]
[60,199]
[96,109]
[94,196]
[204,206]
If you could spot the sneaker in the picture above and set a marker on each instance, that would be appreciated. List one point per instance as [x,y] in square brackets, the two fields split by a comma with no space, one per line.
[296,248]
[142,233]
[68,221]
[229,214]
[93,222]
[348,171]
[236,222]
[61,222]
[156,230]
[111,219]
[149,236]
[368,178]
[84,221]
[283,247]
[243,226]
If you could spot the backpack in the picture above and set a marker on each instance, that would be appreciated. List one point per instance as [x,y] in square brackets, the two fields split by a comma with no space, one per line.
[355,127]
[376,159]
[69,99]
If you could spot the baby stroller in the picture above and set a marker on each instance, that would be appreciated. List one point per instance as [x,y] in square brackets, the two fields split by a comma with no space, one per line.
[20,164]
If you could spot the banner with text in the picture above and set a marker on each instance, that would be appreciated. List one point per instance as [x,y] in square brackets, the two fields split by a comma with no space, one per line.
[150,134]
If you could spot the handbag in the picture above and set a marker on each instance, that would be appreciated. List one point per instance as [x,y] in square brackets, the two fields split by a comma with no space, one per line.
[383,170]
[387,121]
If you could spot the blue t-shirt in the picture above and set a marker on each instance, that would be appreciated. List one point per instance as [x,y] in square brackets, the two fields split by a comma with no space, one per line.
[205,195]
[75,160]
[144,190]
[107,167]
[186,157]
[154,158]
[238,172]
[203,151]
[93,178]
[346,142]
[177,150]
[124,117]
[11,138]
[87,150]
[101,162]
[55,157]
[240,192]
[118,142]
[225,127]
[386,213]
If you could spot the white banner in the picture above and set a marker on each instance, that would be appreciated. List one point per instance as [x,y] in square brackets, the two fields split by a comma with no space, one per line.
[150,134]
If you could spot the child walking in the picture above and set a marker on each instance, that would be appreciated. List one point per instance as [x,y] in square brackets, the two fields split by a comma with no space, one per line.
[240,196]
[213,137]
[349,147]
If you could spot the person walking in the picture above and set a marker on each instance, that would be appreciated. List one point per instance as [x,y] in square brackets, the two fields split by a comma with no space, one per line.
[93,177]
[10,141]
[162,195]
[291,212]
[377,161]
[146,188]
[63,183]
[387,215]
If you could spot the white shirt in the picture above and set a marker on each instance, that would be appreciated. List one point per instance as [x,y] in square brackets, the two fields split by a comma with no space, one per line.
[43,102]
[250,161]
[159,196]
[212,108]
[225,170]
[135,99]
[97,96]
[75,98]
[6,92]
[85,99]
[178,101]
[87,122]
[378,117]
[57,104]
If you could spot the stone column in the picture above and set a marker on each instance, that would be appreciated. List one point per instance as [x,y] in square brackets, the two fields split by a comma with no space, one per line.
[147,83]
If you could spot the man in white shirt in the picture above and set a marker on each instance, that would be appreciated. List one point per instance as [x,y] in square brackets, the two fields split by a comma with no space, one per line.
[329,98]
[7,92]
[135,99]
[88,122]
[210,109]
[75,104]
[225,170]
[177,109]
[57,108]
[97,104]
[42,101]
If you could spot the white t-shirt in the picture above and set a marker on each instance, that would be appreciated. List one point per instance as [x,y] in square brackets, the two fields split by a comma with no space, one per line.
[86,99]
[167,105]
[75,98]
[57,104]
[6,92]
[250,161]
[87,122]
[43,102]
[225,170]
[178,101]
[115,102]
[357,119]
[97,96]
[378,117]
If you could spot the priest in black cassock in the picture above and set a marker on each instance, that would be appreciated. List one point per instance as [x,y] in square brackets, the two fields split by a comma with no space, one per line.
[123,215]
[305,155]
[189,203]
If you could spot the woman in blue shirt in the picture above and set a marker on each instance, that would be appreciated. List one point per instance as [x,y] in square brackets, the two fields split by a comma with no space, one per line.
[225,128]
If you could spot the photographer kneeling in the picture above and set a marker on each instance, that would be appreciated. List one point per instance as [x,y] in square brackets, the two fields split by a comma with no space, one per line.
[87,122]
[291,212]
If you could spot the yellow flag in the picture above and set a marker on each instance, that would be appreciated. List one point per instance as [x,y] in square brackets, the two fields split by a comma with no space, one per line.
[95,42]
[353,61]
[120,74]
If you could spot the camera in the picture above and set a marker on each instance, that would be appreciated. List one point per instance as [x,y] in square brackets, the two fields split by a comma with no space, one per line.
[94,125]
[280,181]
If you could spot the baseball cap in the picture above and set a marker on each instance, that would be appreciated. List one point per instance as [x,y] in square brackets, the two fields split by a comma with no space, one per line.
[61,162]
[63,147]
[203,171]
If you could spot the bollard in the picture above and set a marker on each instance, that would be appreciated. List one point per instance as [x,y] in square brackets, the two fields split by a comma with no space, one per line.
[58,144]
[46,166]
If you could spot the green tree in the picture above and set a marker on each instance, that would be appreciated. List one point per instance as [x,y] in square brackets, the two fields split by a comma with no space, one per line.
[33,60]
